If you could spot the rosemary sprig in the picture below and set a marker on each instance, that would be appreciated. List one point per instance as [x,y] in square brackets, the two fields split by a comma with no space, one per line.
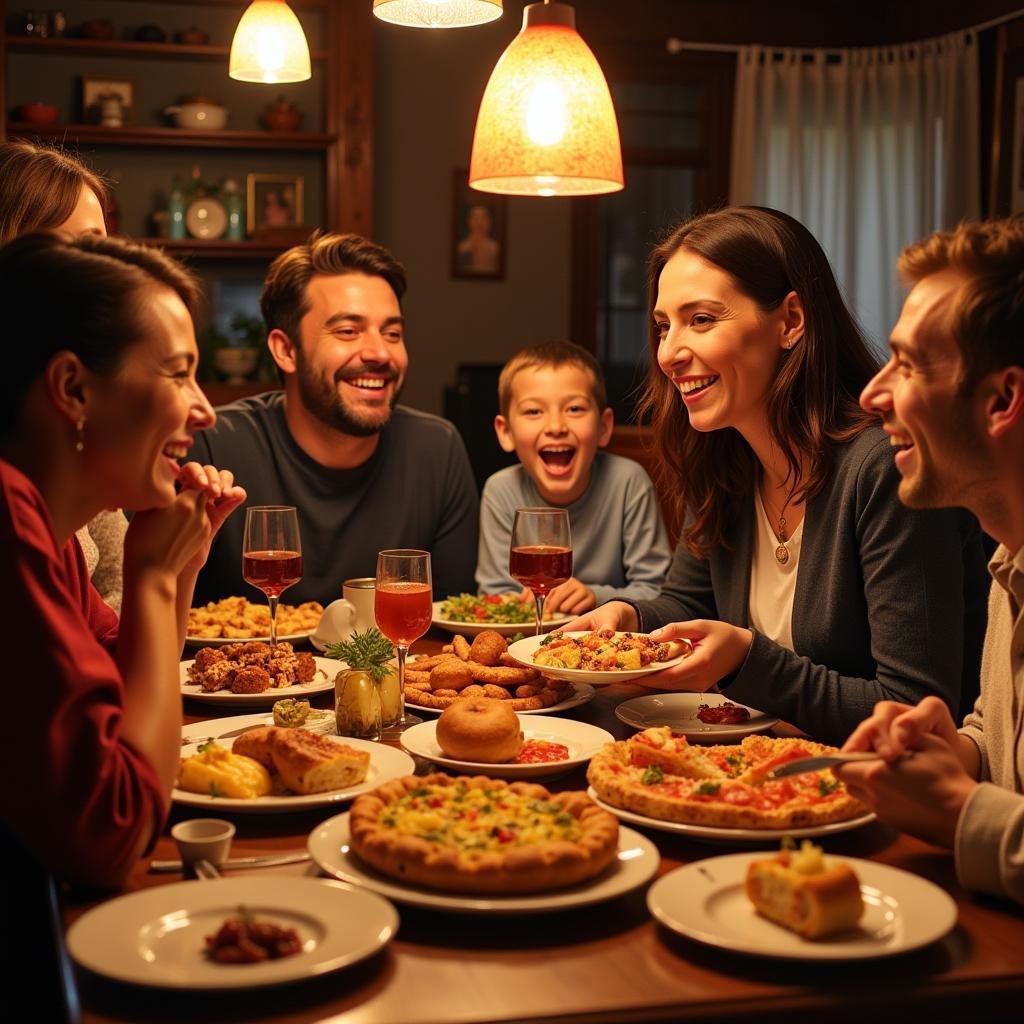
[369,651]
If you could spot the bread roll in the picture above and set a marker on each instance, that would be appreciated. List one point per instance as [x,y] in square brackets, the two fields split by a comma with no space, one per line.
[802,893]
[306,763]
[481,730]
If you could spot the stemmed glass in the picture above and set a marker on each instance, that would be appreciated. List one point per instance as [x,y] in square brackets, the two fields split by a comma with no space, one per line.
[540,555]
[403,608]
[272,553]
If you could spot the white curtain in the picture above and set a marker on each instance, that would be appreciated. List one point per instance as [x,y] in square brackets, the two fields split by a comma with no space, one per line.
[870,151]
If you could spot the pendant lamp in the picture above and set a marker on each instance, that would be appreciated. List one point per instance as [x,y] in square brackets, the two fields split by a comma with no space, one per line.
[269,45]
[437,13]
[546,125]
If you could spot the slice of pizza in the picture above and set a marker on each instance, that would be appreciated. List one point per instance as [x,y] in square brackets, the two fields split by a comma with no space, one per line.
[673,754]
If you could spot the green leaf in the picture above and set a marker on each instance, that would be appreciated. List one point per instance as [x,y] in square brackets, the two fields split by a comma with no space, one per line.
[205,745]
[654,773]
[369,651]
[215,792]
[708,788]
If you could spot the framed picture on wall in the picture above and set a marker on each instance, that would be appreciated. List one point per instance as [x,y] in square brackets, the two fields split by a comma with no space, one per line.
[273,202]
[1006,194]
[478,231]
[107,101]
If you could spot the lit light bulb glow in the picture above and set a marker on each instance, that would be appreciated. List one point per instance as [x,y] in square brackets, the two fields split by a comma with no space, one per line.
[269,45]
[546,114]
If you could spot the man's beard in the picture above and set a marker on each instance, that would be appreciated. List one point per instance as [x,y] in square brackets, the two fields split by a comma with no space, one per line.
[324,401]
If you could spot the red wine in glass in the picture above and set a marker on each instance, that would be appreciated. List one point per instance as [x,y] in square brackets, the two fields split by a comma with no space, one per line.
[539,567]
[272,553]
[272,571]
[540,555]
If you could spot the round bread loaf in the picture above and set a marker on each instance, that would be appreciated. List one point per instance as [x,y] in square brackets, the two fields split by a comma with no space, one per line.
[479,729]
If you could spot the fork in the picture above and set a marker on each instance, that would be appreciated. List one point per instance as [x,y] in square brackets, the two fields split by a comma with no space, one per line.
[813,764]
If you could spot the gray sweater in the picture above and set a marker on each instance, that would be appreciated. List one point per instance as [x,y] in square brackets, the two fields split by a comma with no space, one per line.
[889,602]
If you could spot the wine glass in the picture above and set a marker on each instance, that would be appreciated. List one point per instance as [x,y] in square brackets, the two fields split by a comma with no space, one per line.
[403,608]
[540,555]
[272,553]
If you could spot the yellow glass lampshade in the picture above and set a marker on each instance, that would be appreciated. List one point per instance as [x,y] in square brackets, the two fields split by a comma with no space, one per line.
[437,13]
[269,45]
[546,125]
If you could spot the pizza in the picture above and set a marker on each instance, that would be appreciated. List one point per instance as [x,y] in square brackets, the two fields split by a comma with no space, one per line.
[606,651]
[662,776]
[480,835]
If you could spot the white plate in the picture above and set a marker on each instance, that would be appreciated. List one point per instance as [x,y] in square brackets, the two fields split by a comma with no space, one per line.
[155,937]
[385,763]
[581,694]
[679,712]
[583,741]
[504,628]
[636,865]
[221,641]
[523,651]
[705,901]
[730,835]
[326,670]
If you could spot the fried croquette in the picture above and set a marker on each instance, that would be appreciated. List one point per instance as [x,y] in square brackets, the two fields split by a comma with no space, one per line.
[451,675]
[487,648]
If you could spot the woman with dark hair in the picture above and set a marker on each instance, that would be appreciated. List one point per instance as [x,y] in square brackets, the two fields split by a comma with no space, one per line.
[807,589]
[44,189]
[98,402]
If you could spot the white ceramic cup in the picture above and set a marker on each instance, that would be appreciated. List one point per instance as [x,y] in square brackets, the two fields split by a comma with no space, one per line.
[353,612]
[203,839]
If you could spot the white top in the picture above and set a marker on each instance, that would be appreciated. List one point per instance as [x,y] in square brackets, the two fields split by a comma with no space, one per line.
[772,586]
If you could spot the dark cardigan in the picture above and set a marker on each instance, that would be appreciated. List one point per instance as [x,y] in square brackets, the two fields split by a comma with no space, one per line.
[890,603]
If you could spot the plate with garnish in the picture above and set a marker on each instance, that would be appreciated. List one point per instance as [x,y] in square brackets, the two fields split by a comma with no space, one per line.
[700,717]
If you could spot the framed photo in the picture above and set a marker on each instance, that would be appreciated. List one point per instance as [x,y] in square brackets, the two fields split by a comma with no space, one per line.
[273,201]
[478,231]
[1006,194]
[107,101]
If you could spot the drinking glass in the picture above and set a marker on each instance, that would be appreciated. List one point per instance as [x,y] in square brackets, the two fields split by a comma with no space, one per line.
[272,553]
[403,608]
[541,552]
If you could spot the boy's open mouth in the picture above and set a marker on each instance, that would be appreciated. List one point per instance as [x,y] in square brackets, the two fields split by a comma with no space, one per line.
[558,458]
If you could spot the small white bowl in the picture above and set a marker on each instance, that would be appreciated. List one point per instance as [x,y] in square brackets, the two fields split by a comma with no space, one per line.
[203,839]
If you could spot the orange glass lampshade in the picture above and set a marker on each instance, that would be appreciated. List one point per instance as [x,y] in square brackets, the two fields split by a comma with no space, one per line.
[269,45]
[437,13]
[546,125]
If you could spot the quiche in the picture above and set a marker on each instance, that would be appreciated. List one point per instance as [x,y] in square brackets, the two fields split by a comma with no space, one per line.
[480,835]
[660,775]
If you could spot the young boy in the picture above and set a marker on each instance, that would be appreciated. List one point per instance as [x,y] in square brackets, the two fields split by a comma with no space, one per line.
[555,417]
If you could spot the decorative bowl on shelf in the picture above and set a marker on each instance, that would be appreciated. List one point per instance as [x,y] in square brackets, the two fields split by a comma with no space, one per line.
[281,116]
[191,36]
[37,113]
[150,33]
[198,113]
[96,28]
[237,364]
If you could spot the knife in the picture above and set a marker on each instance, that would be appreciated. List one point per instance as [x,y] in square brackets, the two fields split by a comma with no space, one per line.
[813,764]
[164,866]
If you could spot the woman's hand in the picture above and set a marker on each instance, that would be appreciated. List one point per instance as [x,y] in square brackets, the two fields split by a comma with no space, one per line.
[166,540]
[571,598]
[719,649]
[223,496]
[615,615]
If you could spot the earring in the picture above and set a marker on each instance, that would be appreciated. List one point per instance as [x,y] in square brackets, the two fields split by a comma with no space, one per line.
[80,443]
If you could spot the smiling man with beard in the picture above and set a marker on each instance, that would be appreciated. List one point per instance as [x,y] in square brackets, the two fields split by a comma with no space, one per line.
[364,472]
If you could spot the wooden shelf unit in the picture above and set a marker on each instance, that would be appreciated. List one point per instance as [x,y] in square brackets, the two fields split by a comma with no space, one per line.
[126,48]
[146,135]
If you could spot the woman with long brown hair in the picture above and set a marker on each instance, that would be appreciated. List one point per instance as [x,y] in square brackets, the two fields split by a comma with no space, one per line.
[46,189]
[807,589]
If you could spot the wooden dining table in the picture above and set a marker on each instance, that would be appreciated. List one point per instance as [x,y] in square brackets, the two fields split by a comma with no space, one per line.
[606,963]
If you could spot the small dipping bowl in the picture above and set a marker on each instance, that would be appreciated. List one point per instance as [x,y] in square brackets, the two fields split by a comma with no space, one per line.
[203,839]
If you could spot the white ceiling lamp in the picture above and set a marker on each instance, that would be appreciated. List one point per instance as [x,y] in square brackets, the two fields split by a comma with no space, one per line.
[269,45]
[546,125]
[437,13]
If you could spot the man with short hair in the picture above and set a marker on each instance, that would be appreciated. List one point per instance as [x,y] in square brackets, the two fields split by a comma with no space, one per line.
[952,400]
[365,473]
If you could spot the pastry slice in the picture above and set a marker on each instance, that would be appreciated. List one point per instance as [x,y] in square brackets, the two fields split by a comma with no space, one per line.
[672,754]
[308,763]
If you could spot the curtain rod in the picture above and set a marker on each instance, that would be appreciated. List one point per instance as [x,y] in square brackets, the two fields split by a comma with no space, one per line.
[675,45]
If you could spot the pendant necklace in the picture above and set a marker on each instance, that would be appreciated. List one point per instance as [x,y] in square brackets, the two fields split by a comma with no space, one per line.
[782,552]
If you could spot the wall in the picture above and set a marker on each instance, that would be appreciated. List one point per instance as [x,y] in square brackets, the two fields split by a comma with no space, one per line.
[428,86]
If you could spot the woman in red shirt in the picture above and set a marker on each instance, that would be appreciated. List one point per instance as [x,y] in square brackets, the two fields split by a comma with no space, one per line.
[98,401]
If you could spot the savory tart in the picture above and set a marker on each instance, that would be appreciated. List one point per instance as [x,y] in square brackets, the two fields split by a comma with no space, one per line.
[480,835]
[660,775]
[803,892]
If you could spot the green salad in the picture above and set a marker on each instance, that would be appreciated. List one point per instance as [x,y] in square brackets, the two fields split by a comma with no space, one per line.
[504,609]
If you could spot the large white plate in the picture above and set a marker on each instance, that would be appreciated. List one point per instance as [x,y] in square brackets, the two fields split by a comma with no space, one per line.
[636,865]
[504,628]
[730,835]
[583,741]
[523,651]
[705,901]
[679,712]
[221,641]
[156,937]
[581,694]
[385,763]
[326,670]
